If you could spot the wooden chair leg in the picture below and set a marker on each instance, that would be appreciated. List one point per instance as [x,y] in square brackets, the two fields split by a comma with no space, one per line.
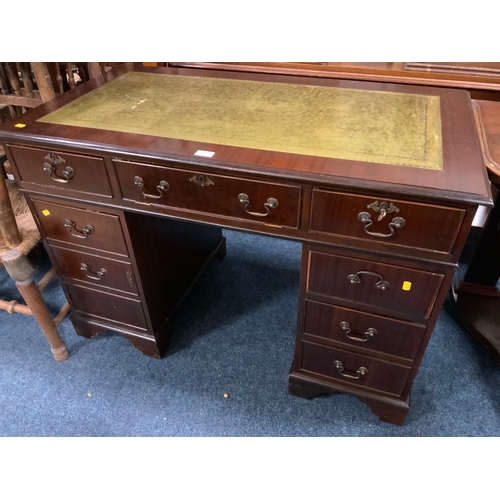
[19,269]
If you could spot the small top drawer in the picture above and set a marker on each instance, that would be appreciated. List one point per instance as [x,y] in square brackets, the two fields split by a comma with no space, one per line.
[389,221]
[363,282]
[257,201]
[81,227]
[85,174]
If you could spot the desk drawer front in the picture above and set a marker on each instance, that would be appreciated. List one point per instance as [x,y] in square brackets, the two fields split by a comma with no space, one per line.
[61,170]
[418,225]
[394,288]
[354,369]
[107,306]
[264,202]
[81,227]
[368,331]
[95,269]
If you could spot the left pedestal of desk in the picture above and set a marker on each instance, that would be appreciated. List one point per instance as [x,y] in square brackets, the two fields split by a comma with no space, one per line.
[125,272]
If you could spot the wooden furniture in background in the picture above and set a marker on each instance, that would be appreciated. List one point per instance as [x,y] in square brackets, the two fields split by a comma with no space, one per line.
[482,80]
[476,298]
[131,211]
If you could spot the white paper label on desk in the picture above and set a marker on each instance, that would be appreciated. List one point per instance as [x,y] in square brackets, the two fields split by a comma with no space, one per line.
[208,154]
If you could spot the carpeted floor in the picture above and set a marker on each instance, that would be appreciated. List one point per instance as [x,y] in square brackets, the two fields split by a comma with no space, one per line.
[225,373]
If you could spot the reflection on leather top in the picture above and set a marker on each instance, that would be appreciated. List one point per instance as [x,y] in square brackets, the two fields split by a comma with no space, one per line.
[360,125]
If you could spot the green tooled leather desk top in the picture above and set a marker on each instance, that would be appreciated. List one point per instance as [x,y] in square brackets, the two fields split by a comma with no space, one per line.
[361,125]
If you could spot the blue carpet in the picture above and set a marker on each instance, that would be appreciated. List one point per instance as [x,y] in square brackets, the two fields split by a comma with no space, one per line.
[234,337]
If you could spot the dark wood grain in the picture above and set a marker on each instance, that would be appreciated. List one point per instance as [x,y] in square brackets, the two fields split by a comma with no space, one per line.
[90,175]
[439,224]
[107,306]
[117,274]
[107,232]
[170,256]
[385,377]
[397,338]
[417,301]
[218,197]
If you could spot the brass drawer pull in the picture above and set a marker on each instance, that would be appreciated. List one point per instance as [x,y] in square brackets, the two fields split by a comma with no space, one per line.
[84,233]
[368,335]
[162,187]
[270,203]
[383,209]
[93,276]
[355,279]
[202,180]
[360,372]
[67,174]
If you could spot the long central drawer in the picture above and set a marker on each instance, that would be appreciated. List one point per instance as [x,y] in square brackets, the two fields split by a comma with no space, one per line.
[262,202]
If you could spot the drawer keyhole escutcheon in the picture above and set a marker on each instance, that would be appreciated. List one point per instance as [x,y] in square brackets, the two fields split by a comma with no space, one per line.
[93,276]
[270,203]
[84,233]
[355,279]
[383,210]
[67,174]
[360,372]
[368,335]
[162,187]
[202,180]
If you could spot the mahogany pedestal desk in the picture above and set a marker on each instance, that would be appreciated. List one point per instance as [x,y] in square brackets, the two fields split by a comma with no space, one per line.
[476,299]
[131,177]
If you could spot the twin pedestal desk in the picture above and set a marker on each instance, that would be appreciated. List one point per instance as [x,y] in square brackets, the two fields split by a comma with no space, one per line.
[132,176]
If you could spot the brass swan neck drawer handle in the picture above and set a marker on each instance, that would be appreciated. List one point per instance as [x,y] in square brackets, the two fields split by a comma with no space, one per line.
[355,279]
[162,187]
[270,203]
[67,174]
[383,210]
[360,372]
[93,276]
[368,335]
[84,233]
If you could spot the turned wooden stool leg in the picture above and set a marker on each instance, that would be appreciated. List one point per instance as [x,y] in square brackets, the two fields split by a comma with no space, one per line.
[9,233]
[20,271]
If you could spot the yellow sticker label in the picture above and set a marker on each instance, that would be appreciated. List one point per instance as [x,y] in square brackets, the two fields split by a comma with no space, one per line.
[45,212]
[406,285]
[20,125]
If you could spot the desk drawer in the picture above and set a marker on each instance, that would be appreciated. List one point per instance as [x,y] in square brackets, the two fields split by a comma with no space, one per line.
[394,288]
[424,226]
[354,328]
[107,306]
[86,174]
[82,227]
[210,194]
[95,269]
[354,369]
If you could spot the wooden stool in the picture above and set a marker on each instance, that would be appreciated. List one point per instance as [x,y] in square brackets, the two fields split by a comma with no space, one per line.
[14,246]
